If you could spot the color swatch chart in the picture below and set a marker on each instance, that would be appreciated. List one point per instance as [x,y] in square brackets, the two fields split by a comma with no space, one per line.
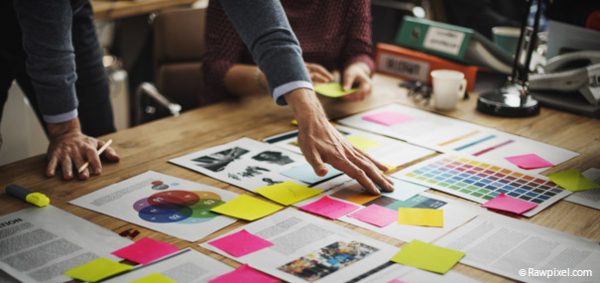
[450,135]
[480,182]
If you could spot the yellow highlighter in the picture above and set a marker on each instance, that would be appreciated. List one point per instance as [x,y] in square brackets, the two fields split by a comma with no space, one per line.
[35,198]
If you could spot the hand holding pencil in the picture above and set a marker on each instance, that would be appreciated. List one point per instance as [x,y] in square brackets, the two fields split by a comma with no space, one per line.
[73,152]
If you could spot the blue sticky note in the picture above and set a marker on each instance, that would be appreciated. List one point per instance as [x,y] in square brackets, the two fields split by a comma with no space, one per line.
[306,174]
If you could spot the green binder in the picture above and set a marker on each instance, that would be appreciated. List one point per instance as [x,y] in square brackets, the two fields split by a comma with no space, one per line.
[453,42]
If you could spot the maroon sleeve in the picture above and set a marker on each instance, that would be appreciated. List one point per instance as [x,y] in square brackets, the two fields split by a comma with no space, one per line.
[359,47]
[224,48]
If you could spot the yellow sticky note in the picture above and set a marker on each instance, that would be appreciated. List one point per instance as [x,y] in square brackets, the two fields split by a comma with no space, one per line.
[421,216]
[287,193]
[97,270]
[362,198]
[573,181]
[154,278]
[333,90]
[427,256]
[363,143]
[247,208]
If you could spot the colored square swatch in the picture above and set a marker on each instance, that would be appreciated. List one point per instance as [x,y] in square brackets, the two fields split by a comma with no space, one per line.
[145,251]
[247,208]
[330,208]
[506,203]
[97,270]
[376,215]
[529,161]
[240,243]
[246,274]
[421,217]
[287,193]
[427,257]
[387,118]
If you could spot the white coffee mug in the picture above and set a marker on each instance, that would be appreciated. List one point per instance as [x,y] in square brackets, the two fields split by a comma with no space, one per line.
[448,87]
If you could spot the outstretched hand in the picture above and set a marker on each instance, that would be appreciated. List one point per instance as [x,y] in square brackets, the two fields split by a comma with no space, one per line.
[321,143]
[69,149]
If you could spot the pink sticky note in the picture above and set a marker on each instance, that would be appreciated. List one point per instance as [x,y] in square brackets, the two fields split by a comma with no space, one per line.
[506,203]
[376,215]
[245,273]
[240,243]
[145,251]
[330,208]
[396,281]
[529,161]
[387,118]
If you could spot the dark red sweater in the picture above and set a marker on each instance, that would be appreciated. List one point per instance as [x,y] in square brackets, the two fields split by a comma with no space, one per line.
[334,34]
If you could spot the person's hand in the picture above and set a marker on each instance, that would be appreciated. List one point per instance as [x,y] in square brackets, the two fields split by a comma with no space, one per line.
[359,75]
[69,149]
[322,143]
[318,73]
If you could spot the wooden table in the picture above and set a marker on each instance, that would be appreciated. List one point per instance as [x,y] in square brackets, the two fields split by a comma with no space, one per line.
[150,146]
[111,10]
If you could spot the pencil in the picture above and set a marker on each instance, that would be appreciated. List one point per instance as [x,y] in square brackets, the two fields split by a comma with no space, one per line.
[100,151]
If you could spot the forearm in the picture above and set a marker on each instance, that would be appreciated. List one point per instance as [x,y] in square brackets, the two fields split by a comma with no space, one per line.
[305,106]
[46,31]
[264,28]
[58,129]
[244,80]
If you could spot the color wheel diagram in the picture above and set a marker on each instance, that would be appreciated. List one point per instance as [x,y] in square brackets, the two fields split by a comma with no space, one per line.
[177,206]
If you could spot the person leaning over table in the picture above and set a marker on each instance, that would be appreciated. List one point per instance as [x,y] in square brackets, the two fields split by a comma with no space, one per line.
[51,49]
[58,35]
[264,29]
[334,35]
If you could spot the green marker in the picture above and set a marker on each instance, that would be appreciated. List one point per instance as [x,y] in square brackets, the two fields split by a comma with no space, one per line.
[35,198]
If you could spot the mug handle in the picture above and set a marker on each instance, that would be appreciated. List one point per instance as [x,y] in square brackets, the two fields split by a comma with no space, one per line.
[461,88]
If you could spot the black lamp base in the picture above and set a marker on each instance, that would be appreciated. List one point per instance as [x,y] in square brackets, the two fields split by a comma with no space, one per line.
[508,101]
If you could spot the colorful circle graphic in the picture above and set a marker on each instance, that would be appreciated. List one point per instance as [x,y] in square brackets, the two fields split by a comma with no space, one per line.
[177,206]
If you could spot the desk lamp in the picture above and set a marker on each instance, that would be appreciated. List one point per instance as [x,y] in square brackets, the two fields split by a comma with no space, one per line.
[513,98]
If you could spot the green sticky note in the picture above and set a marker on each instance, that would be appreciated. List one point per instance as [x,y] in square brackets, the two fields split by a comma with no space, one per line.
[287,193]
[247,208]
[363,143]
[97,270]
[427,257]
[333,90]
[573,181]
[154,278]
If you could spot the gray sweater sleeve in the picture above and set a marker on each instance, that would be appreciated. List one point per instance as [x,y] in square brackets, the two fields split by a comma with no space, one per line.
[46,29]
[264,28]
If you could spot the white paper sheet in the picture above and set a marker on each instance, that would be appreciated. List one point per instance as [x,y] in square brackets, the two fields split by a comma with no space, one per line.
[188,266]
[396,273]
[245,163]
[386,150]
[510,247]
[309,249]
[39,244]
[589,198]
[451,135]
[163,203]
[405,194]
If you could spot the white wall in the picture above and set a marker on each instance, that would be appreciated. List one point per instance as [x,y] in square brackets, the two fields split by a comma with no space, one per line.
[21,130]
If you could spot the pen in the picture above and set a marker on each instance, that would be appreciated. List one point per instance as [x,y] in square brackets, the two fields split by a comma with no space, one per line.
[35,198]
[100,151]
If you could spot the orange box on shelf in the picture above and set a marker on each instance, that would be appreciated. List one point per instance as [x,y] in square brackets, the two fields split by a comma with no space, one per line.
[415,65]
